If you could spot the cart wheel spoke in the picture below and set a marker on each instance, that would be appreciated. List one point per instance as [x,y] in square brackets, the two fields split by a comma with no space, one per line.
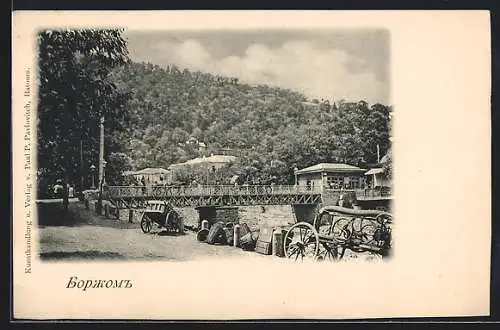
[302,238]
[145,225]
[325,252]
[293,249]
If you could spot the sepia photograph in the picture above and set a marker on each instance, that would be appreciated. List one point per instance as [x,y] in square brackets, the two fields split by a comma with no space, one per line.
[249,165]
[275,142]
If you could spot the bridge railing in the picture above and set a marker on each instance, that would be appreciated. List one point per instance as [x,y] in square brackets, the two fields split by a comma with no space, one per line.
[372,193]
[124,191]
[365,193]
[219,190]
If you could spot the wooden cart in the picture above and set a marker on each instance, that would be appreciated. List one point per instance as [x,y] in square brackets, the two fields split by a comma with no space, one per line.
[336,229]
[161,214]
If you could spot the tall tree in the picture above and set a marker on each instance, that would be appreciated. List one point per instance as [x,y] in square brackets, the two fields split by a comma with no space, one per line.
[387,164]
[75,90]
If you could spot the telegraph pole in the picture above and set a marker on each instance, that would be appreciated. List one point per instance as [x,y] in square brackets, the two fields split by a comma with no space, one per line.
[101,152]
[81,164]
[101,166]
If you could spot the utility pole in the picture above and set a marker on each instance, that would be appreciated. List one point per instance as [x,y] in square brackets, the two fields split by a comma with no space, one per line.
[101,166]
[81,165]
[378,154]
[101,152]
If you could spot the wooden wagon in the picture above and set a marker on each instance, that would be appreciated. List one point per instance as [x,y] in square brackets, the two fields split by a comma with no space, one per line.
[162,215]
[336,229]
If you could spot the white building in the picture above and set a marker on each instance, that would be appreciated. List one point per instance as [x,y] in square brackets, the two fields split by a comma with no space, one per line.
[331,175]
[376,177]
[152,175]
[213,161]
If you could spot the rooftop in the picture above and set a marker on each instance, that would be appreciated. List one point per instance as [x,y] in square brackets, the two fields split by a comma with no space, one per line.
[213,159]
[375,171]
[386,158]
[207,160]
[331,167]
[150,170]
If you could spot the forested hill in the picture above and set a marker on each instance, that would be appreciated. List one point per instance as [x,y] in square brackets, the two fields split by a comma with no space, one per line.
[167,107]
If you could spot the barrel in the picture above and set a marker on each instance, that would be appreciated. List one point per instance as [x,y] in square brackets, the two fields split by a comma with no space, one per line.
[277,246]
[202,235]
[237,233]
[204,224]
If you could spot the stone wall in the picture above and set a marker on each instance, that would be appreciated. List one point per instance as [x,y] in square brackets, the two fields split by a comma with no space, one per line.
[227,214]
[269,216]
[189,215]
[330,197]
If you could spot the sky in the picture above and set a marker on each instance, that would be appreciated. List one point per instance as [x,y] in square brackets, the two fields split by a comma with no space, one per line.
[336,64]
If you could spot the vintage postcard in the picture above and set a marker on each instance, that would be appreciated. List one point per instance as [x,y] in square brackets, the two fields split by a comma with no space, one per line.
[236,165]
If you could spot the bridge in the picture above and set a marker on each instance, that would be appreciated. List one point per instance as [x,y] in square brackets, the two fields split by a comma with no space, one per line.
[207,196]
[223,195]
[218,202]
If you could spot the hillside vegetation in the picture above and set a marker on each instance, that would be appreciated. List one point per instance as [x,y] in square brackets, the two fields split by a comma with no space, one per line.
[154,117]
[272,130]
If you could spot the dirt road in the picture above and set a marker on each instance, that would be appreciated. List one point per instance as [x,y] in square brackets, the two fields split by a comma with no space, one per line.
[80,234]
[83,235]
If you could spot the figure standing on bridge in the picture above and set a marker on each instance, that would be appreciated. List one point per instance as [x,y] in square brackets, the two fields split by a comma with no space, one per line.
[341,200]
[65,194]
[71,191]
[143,182]
[58,189]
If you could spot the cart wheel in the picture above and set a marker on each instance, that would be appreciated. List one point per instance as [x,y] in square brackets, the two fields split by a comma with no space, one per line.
[368,234]
[145,225]
[327,253]
[384,219]
[301,240]
[173,222]
[341,228]
[383,234]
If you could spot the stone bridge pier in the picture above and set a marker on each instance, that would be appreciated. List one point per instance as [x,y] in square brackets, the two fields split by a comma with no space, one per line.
[307,212]
[301,212]
[214,214]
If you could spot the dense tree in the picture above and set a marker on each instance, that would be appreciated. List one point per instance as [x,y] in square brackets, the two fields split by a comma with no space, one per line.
[75,90]
[270,129]
[387,164]
[117,163]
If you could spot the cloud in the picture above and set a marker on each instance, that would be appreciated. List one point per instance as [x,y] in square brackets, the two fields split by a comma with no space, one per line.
[298,65]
